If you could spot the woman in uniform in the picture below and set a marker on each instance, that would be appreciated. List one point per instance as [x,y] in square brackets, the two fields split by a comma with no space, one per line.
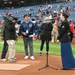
[68,61]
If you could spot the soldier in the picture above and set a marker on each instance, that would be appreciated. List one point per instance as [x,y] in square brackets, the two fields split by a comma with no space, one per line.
[67,58]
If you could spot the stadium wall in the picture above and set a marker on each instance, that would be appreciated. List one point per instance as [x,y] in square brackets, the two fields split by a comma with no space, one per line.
[7,3]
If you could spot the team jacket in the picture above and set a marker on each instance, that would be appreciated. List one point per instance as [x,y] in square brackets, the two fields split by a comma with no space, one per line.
[28,28]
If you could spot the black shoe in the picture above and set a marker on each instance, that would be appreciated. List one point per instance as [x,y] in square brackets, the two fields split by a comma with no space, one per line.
[40,53]
[64,69]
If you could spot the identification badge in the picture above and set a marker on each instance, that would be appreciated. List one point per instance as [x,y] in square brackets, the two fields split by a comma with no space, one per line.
[26,31]
[63,27]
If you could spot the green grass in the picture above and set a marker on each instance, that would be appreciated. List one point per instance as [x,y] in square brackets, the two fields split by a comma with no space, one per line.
[54,47]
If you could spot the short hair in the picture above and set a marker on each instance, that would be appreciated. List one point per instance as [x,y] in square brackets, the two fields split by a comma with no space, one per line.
[15,18]
[26,15]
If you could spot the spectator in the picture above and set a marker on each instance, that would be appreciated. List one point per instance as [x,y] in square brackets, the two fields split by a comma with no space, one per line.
[27,29]
[71,30]
[38,28]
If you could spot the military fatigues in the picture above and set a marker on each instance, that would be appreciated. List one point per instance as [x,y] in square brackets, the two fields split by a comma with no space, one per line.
[55,33]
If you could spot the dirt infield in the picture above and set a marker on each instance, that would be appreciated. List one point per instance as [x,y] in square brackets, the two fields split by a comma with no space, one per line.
[54,61]
[40,61]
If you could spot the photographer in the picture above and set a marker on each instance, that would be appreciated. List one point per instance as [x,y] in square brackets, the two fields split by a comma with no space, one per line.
[5,45]
[9,35]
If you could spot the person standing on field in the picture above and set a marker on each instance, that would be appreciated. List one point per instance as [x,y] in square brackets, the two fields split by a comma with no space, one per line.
[27,29]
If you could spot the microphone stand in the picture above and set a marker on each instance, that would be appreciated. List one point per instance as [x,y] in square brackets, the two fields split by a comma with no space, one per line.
[47,65]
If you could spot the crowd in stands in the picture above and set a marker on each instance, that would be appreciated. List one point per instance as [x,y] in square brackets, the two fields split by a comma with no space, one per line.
[39,13]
